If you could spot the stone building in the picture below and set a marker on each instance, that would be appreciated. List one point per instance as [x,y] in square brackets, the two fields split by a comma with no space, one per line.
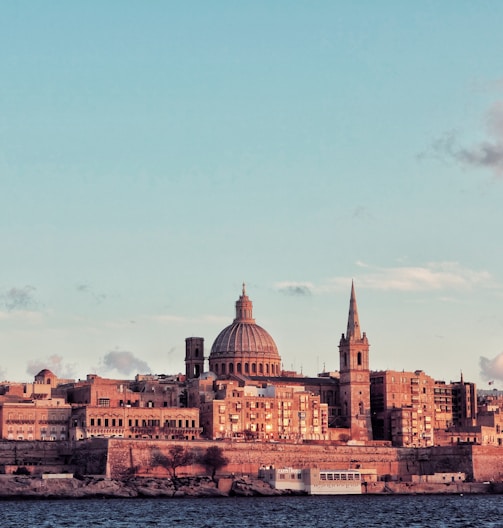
[270,412]
[162,423]
[144,391]
[38,419]
[403,407]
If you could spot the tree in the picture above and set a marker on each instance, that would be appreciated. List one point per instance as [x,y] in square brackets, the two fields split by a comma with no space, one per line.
[213,459]
[177,457]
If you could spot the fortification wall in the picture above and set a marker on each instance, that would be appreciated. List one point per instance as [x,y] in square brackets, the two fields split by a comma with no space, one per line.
[487,463]
[119,458]
[136,457]
[87,456]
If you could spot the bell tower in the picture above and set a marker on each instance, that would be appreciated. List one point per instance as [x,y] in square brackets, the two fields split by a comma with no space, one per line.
[194,357]
[355,377]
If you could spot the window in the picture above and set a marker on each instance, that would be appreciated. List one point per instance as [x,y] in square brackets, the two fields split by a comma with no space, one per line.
[359,358]
[103,402]
[106,422]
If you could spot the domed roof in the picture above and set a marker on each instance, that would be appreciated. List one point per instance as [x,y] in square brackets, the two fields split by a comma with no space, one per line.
[244,337]
[44,373]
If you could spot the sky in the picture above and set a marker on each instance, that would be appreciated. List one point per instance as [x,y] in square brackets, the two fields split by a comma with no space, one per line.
[156,155]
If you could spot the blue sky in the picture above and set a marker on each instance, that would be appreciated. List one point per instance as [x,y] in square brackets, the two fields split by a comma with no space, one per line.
[153,156]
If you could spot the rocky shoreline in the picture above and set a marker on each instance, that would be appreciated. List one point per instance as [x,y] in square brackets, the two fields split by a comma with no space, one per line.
[31,487]
[27,487]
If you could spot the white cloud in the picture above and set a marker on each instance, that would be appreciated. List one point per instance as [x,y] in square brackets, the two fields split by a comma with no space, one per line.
[54,363]
[434,276]
[492,369]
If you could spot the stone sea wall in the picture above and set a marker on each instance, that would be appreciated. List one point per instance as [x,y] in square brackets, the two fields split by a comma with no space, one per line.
[135,457]
[123,458]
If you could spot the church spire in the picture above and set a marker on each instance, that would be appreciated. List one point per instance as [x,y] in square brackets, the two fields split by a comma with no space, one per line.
[353,330]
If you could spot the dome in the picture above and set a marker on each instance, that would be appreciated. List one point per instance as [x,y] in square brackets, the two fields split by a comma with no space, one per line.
[244,347]
[244,338]
[44,373]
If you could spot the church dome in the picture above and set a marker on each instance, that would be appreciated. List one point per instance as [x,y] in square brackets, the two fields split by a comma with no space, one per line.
[244,347]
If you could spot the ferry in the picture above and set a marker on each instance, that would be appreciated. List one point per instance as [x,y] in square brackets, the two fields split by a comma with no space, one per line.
[314,481]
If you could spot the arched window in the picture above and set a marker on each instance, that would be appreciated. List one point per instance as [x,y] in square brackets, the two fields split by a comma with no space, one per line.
[254,368]
[231,368]
[216,368]
[197,352]
[361,408]
[239,368]
[247,368]
[267,368]
[359,358]
[260,368]
[223,368]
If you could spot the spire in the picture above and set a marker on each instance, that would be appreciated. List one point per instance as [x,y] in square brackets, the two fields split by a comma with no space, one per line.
[244,308]
[353,331]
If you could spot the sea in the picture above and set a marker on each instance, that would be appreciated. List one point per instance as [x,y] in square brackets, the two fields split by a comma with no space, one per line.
[293,512]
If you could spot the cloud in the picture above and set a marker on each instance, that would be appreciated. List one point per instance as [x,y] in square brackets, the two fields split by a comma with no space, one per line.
[297,289]
[125,362]
[486,154]
[87,289]
[18,299]
[54,363]
[491,369]
[434,276]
